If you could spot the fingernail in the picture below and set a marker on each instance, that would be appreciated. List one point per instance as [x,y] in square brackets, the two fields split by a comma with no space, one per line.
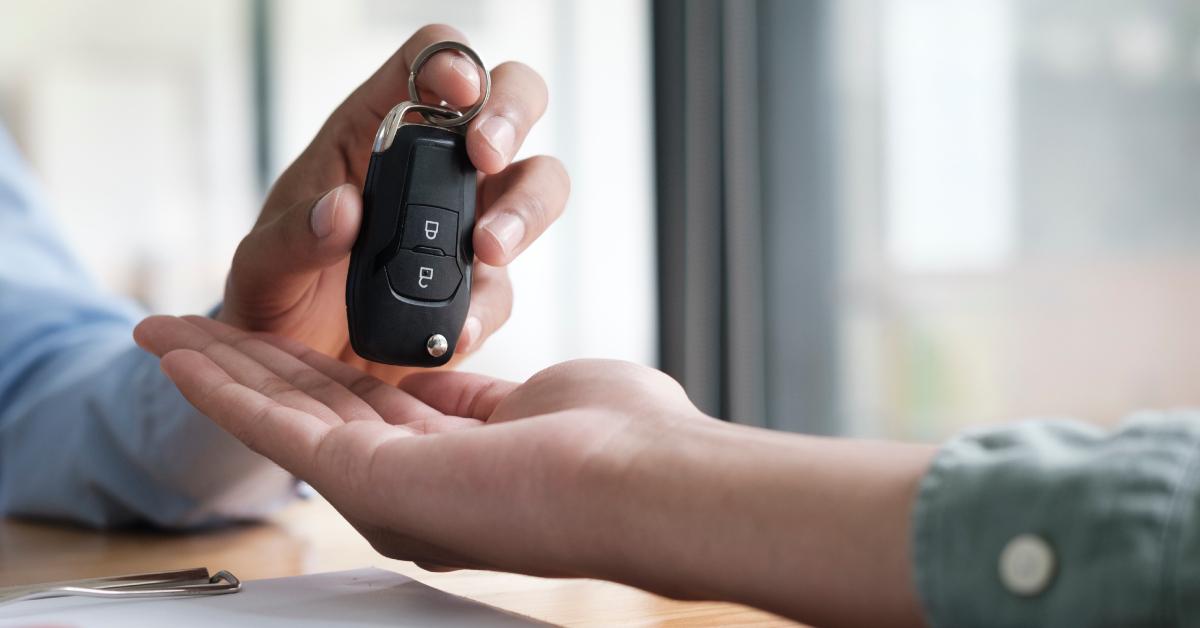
[499,134]
[466,69]
[508,229]
[472,329]
[320,219]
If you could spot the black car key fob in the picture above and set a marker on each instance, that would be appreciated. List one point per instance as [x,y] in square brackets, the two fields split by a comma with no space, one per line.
[409,282]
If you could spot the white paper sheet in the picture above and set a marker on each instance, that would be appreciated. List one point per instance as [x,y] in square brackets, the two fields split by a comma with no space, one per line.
[362,597]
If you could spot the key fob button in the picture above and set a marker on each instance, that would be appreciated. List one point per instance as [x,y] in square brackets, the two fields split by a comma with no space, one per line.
[429,167]
[423,276]
[430,227]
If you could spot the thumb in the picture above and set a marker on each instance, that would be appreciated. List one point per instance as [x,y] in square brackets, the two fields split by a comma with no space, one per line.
[276,263]
[457,393]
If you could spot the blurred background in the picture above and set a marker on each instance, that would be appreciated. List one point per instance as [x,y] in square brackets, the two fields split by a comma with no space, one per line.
[157,126]
[891,218]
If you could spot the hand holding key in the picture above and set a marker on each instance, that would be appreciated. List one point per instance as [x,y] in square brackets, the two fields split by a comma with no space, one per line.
[288,275]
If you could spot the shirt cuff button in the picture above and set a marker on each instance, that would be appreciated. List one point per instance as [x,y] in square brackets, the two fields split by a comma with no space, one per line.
[1027,565]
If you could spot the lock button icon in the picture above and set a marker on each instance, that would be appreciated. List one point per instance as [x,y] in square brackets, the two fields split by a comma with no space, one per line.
[429,227]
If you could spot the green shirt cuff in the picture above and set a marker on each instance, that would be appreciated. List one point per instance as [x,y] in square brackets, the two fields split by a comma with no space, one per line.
[1062,524]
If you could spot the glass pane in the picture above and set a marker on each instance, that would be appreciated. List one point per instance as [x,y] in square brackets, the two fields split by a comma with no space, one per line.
[1021,211]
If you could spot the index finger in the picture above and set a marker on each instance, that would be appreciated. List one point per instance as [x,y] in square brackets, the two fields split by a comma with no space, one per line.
[449,76]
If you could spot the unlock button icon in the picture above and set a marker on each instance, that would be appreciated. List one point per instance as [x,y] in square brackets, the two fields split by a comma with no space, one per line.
[431,229]
[423,276]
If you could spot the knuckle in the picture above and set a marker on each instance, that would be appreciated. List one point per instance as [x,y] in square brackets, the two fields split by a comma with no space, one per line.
[429,33]
[479,394]
[520,89]
[324,454]
[273,387]
[555,169]
[498,313]
[504,312]
[247,431]
[241,341]
[531,207]
[439,29]
[530,75]
[315,383]
[506,299]
[364,385]
[495,304]
[244,248]
[512,107]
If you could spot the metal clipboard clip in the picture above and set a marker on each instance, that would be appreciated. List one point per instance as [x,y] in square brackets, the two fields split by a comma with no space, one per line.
[181,583]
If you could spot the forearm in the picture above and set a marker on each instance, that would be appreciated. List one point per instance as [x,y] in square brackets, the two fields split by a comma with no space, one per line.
[807,527]
[90,430]
[98,436]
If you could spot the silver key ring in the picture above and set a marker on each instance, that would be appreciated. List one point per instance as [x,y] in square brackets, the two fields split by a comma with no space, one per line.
[415,96]
[392,121]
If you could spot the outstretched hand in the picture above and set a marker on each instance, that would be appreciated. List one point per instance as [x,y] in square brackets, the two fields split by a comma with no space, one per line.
[591,468]
[451,469]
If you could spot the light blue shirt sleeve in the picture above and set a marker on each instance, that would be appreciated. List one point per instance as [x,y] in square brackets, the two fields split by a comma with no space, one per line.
[91,431]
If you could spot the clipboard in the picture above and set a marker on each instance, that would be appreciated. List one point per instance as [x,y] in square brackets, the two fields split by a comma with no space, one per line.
[362,597]
[179,583]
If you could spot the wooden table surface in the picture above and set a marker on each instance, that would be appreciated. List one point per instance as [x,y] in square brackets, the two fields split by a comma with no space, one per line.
[310,537]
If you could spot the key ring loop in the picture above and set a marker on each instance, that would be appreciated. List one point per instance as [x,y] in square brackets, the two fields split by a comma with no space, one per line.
[414,95]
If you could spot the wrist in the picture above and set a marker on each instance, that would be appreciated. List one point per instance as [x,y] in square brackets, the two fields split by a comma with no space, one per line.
[799,525]
[646,500]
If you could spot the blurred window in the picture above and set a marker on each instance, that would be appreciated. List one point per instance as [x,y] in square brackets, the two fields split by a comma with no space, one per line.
[1022,215]
[948,212]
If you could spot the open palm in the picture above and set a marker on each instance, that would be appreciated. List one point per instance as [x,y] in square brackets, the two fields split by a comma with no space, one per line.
[438,471]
